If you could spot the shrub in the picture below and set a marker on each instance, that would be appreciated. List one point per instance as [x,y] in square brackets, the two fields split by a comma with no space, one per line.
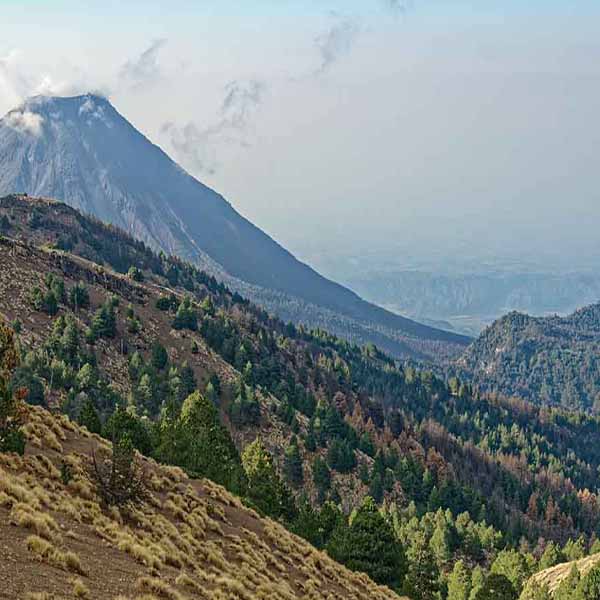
[135,274]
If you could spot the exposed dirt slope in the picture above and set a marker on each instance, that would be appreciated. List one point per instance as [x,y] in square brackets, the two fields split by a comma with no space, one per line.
[191,539]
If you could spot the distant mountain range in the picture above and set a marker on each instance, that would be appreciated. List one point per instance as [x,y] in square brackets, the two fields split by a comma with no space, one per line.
[82,151]
[469,301]
[548,360]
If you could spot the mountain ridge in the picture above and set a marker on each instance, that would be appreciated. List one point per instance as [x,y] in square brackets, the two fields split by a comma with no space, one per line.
[549,360]
[81,151]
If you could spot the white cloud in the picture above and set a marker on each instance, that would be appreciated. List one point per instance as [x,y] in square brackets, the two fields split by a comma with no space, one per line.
[196,147]
[25,121]
[337,41]
[144,70]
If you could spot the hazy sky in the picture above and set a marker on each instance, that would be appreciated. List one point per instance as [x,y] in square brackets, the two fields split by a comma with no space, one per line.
[400,129]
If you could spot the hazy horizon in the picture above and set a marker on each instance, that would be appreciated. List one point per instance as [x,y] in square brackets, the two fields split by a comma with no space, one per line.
[415,134]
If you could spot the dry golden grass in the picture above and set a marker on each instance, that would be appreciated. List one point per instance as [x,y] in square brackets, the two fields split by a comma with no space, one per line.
[158,587]
[46,551]
[554,576]
[190,540]
[41,523]
[80,590]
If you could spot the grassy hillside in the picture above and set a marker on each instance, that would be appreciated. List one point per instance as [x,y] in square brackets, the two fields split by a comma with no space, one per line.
[554,576]
[189,539]
[549,360]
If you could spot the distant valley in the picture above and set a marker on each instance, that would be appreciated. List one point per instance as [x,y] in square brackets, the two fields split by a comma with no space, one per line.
[468,302]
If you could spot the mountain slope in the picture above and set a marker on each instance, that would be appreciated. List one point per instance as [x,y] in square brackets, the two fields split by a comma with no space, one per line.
[554,576]
[189,539]
[82,151]
[361,423]
[549,360]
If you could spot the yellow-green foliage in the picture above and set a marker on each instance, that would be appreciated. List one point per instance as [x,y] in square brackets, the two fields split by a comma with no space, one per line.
[80,590]
[47,552]
[159,587]
[41,523]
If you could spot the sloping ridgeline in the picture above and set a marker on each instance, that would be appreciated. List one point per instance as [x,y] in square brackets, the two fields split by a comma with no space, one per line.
[89,156]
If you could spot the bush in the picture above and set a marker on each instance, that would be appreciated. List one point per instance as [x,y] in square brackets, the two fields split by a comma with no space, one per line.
[135,274]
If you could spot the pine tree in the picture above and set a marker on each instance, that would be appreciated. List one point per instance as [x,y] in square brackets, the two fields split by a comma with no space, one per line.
[370,545]
[160,358]
[79,296]
[205,447]
[477,582]
[422,579]
[589,586]
[293,464]
[321,476]
[265,489]
[552,556]
[12,438]
[568,586]
[88,417]
[535,591]
[186,317]
[513,565]
[459,582]
[440,543]
[497,587]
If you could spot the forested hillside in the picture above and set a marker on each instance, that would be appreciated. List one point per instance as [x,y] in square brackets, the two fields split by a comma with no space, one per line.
[549,360]
[423,484]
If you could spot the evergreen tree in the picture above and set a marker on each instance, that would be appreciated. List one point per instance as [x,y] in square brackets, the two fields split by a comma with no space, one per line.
[293,464]
[321,476]
[477,582]
[459,582]
[104,322]
[589,586]
[12,438]
[370,545]
[135,274]
[574,550]
[422,578]
[513,565]
[186,317]
[188,384]
[440,543]
[496,587]
[568,586]
[535,591]
[122,423]
[264,487]
[205,447]
[88,417]
[552,556]
[160,358]
[79,296]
